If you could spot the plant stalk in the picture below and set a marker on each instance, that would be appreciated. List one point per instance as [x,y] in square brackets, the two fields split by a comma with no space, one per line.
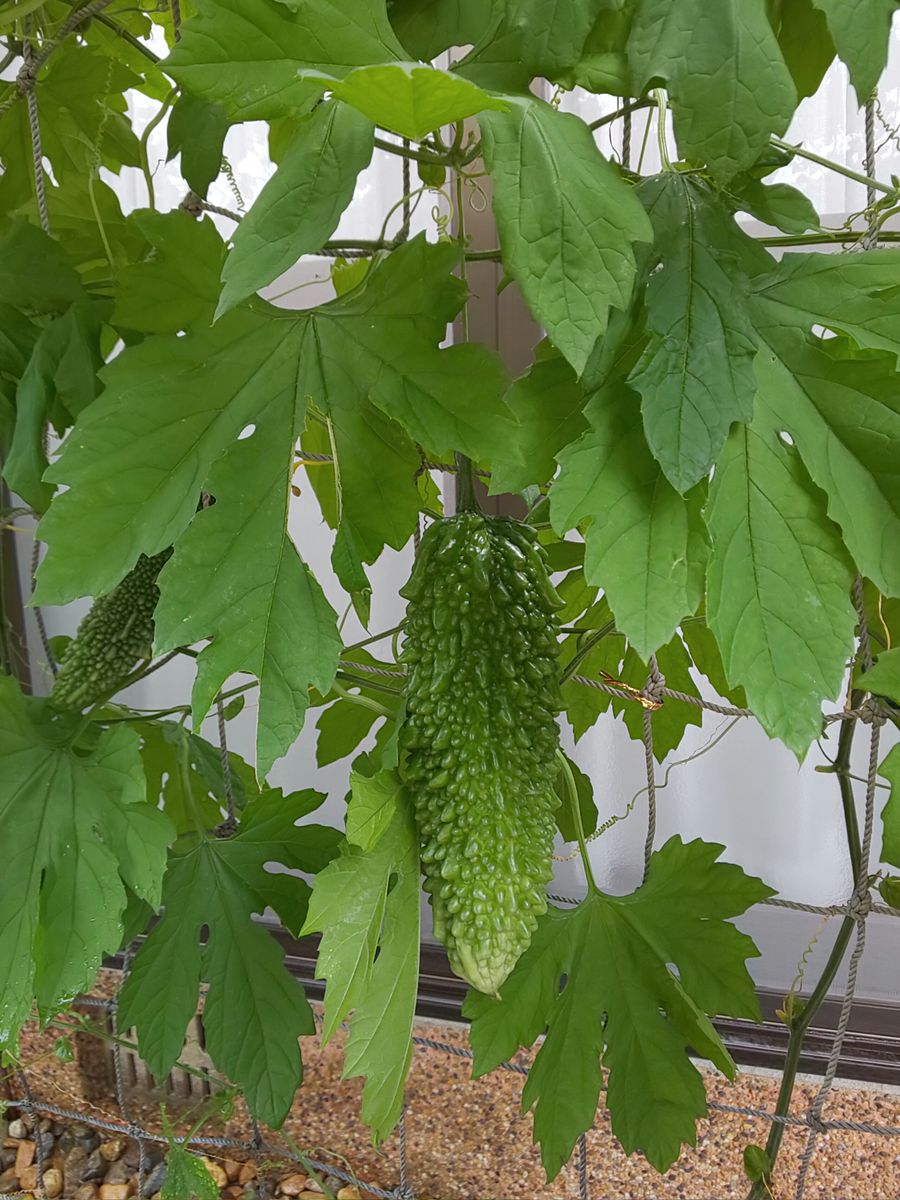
[839,168]
[572,790]
[798,1026]
[800,1023]
[466,500]
[433,160]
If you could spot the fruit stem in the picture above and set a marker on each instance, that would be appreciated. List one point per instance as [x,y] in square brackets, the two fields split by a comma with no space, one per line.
[572,791]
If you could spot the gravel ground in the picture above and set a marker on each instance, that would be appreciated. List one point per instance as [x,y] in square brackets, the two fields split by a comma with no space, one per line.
[467,1140]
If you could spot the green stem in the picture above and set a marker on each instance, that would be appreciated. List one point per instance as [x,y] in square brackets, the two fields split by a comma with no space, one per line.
[826,238]
[584,651]
[572,791]
[376,637]
[633,106]
[799,1026]
[145,138]
[137,714]
[661,123]
[372,244]
[121,32]
[368,682]
[363,701]
[432,160]
[466,500]
[848,803]
[839,168]
[800,1023]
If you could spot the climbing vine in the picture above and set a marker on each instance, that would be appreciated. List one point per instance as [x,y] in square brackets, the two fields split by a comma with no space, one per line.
[705,444]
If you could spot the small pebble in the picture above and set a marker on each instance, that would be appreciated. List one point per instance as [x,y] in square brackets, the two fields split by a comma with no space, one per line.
[9,1181]
[132,1155]
[95,1166]
[114,1191]
[114,1148]
[349,1193]
[293,1185]
[74,1165]
[28,1177]
[25,1155]
[119,1172]
[17,1129]
[155,1180]
[53,1183]
[87,1191]
[232,1169]
[247,1172]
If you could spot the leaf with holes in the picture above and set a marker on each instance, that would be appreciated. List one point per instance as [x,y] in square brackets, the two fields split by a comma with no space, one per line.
[778,583]
[250,56]
[600,980]
[695,376]
[855,294]
[78,832]
[184,774]
[366,905]
[254,1010]
[236,578]
[299,208]
[567,221]
[369,362]
[728,84]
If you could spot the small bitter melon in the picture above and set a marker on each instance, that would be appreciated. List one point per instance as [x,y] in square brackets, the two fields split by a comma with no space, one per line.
[115,635]
[480,736]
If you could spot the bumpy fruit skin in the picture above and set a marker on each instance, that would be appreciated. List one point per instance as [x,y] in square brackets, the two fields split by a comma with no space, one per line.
[115,635]
[481,737]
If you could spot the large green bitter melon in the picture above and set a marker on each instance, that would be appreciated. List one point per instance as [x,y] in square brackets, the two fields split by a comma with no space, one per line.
[480,736]
[116,634]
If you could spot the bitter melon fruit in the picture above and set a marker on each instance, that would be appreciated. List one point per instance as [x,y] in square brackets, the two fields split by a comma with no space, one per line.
[115,635]
[480,736]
